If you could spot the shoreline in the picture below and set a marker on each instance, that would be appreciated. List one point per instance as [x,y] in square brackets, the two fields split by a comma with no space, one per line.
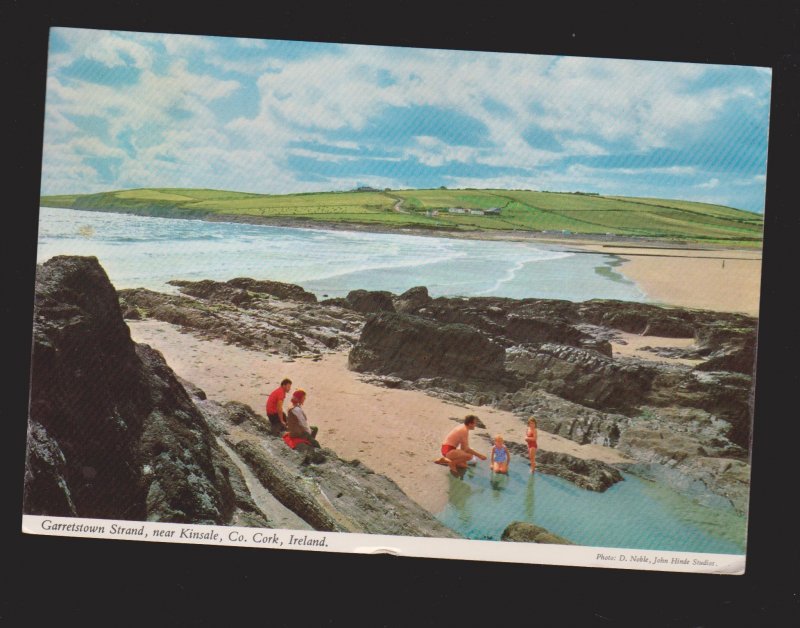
[701,276]
[508,235]
[394,432]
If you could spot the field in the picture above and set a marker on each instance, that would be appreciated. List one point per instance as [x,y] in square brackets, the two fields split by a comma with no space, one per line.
[515,210]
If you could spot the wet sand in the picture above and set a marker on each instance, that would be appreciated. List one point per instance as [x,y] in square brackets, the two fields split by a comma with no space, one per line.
[395,432]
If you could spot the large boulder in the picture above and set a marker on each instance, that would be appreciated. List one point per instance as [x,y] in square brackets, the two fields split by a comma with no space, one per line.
[112,433]
[639,318]
[539,329]
[523,532]
[582,376]
[369,301]
[411,347]
[412,300]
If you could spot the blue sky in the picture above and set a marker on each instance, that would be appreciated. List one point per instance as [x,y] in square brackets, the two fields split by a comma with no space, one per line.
[130,110]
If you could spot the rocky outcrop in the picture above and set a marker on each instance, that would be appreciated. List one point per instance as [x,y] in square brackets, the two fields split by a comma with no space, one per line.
[370,301]
[582,376]
[243,312]
[112,434]
[412,347]
[523,532]
[412,300]
[558,416]
[591,475]
[242,289]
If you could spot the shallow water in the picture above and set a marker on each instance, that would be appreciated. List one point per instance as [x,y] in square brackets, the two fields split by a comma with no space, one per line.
[634,514]
[147,252]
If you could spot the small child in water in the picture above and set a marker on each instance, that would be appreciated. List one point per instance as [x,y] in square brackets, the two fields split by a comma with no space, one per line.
[530,439]
[500,456]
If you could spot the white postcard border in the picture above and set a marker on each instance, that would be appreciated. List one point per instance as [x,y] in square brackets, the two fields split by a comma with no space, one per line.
[423,547]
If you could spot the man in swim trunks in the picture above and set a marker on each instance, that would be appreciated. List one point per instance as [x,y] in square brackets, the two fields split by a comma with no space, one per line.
[455,448]
[275,413]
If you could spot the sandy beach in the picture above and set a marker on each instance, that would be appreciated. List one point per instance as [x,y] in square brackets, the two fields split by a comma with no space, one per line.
[697,276]
[722,280]
[395,432]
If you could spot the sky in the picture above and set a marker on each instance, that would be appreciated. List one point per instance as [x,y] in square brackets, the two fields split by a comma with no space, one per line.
[131,110]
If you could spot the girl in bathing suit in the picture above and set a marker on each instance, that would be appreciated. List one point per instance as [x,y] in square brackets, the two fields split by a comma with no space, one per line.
[500,456]
[530,438]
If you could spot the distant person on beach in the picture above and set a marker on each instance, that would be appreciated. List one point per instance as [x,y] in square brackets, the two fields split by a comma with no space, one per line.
[500,456]
[456,451]
[275,413]
[297,422]
[530,439]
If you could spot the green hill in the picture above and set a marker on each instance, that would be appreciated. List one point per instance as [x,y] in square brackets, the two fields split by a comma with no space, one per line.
[521,210]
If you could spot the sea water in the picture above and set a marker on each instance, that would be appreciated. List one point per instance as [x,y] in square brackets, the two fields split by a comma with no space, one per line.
[147,252]
[634,513]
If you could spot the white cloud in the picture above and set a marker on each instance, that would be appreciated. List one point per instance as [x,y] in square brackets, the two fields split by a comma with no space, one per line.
[708,185]
[112,51]
[582,147]
[586,103]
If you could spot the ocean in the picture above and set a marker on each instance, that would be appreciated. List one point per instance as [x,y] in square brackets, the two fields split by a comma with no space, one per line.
[147,252]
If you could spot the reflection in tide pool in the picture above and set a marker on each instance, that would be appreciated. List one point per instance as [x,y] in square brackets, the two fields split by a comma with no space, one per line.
[634,514]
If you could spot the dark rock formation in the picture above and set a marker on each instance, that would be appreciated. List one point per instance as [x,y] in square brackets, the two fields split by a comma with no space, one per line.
[591,475]
[112,434]
[412,347]
[738,356]
[523,329]
[639,318]
[240,289]
[577,422]
[582,376]
[412,300]
[523,532]
[251,318]
[370,301]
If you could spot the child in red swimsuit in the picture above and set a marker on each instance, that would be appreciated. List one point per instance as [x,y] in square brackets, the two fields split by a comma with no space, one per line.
[530,438]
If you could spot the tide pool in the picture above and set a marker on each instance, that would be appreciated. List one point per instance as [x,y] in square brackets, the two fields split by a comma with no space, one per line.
[147,252]
[633,514]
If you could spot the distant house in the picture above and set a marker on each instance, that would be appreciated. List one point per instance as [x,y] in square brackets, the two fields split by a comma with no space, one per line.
[456,210]
[432,212]
[476,212]
[493,211]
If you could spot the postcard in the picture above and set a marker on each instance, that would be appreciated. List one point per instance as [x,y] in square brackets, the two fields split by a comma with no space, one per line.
[346,298]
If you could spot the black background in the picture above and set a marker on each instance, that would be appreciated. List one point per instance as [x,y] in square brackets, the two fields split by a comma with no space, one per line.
[96,582]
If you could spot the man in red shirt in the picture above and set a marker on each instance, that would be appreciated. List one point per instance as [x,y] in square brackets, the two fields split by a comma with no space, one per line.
[275,413]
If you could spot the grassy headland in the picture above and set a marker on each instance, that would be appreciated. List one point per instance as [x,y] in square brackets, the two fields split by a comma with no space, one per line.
[481,210]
